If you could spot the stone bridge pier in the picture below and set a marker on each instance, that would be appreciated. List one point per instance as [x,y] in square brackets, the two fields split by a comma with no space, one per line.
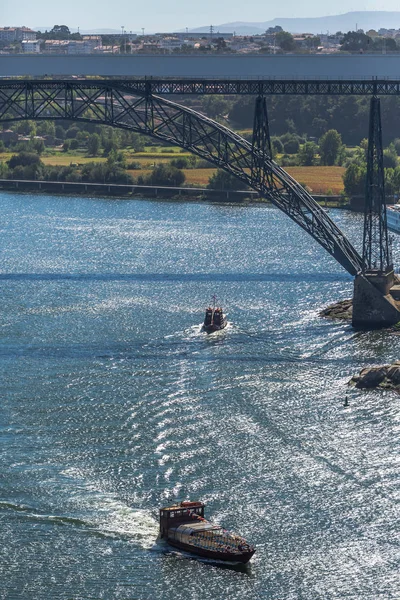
[376,300]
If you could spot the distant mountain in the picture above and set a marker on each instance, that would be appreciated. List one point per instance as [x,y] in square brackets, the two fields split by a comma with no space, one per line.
[348,22]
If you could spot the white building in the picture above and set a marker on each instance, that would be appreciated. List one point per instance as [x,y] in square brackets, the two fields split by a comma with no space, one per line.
[30,46]
[92,41]
[56,46]
[16,34]
[7,34]
[171,43]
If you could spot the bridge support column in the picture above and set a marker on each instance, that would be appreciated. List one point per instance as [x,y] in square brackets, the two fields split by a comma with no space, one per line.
[374,304]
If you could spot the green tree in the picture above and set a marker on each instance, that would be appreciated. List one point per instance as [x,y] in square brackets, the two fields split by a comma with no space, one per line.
[221,180]
[396,145]
[25,128]
[93,144]
[24,159]
[356,41]
[60,132]
[272,30]
[109,144]
[384,44]
[214,106]
[396,180]
[319,126]
[285,40]
[277,145]
[4,170]
[165,175]
[313,42]
[221,44]
[390,158]
[180,163]
[329,147]
[354,180]
[72,132]
[38,145]
[63,29]
[307,154]
[45,128]
[292,146]
[137,142]
[26,165]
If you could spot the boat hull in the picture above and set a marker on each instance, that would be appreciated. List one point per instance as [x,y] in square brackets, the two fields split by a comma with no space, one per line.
[393,219]
[211,328]
[242,558]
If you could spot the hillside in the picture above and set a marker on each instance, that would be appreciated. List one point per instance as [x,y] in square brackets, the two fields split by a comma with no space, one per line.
[347,22]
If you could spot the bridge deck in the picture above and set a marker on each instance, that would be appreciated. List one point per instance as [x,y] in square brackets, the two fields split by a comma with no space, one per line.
[294,70]
[169,86]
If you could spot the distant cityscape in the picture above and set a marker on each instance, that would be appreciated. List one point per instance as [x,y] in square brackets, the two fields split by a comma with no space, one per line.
[60,40]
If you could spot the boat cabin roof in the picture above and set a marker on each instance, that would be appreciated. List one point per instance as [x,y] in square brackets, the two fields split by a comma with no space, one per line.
[182,506]
[196,527]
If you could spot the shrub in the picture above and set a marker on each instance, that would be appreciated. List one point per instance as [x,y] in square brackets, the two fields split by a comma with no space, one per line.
[277,145]
[330,145]
[396,145]
[24,159]
[221,180]
[389,159]
[307,154]
[201,163]
[179,163]
[165,175]
[289,161]
[292,146]
[72,133]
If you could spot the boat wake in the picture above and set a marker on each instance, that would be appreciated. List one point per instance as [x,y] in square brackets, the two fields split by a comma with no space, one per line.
[197,330]
[117,520]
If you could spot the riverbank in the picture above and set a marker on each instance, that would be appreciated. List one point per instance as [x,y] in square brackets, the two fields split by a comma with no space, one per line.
[148,191]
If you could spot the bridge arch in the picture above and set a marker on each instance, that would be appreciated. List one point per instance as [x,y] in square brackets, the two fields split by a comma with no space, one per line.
[116,105]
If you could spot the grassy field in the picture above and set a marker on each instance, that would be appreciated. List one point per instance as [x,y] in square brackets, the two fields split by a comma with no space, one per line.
[198,177]
[65,160]
[320,180]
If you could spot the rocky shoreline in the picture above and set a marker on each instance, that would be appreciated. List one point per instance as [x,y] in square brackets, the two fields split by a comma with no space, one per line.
[386,377]
[339,310]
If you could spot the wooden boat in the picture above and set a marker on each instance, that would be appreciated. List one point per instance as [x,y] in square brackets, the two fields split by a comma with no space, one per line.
[214,319]
[183,526]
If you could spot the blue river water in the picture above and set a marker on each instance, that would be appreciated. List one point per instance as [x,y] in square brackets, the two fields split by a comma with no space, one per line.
[114,403]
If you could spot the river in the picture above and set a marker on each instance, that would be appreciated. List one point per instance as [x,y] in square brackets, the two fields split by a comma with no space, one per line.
[114,403]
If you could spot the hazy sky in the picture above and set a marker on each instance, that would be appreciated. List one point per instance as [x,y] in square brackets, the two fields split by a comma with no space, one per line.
[168,15]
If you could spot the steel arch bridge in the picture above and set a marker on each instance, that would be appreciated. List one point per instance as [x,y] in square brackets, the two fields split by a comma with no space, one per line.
[114,104]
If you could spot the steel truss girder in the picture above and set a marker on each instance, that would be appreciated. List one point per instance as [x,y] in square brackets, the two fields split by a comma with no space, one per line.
[261,143]
[255,87]
[96,102]
[376,247]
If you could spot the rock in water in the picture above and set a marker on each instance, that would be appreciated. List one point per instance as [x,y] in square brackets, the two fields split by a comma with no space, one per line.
[385,377]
